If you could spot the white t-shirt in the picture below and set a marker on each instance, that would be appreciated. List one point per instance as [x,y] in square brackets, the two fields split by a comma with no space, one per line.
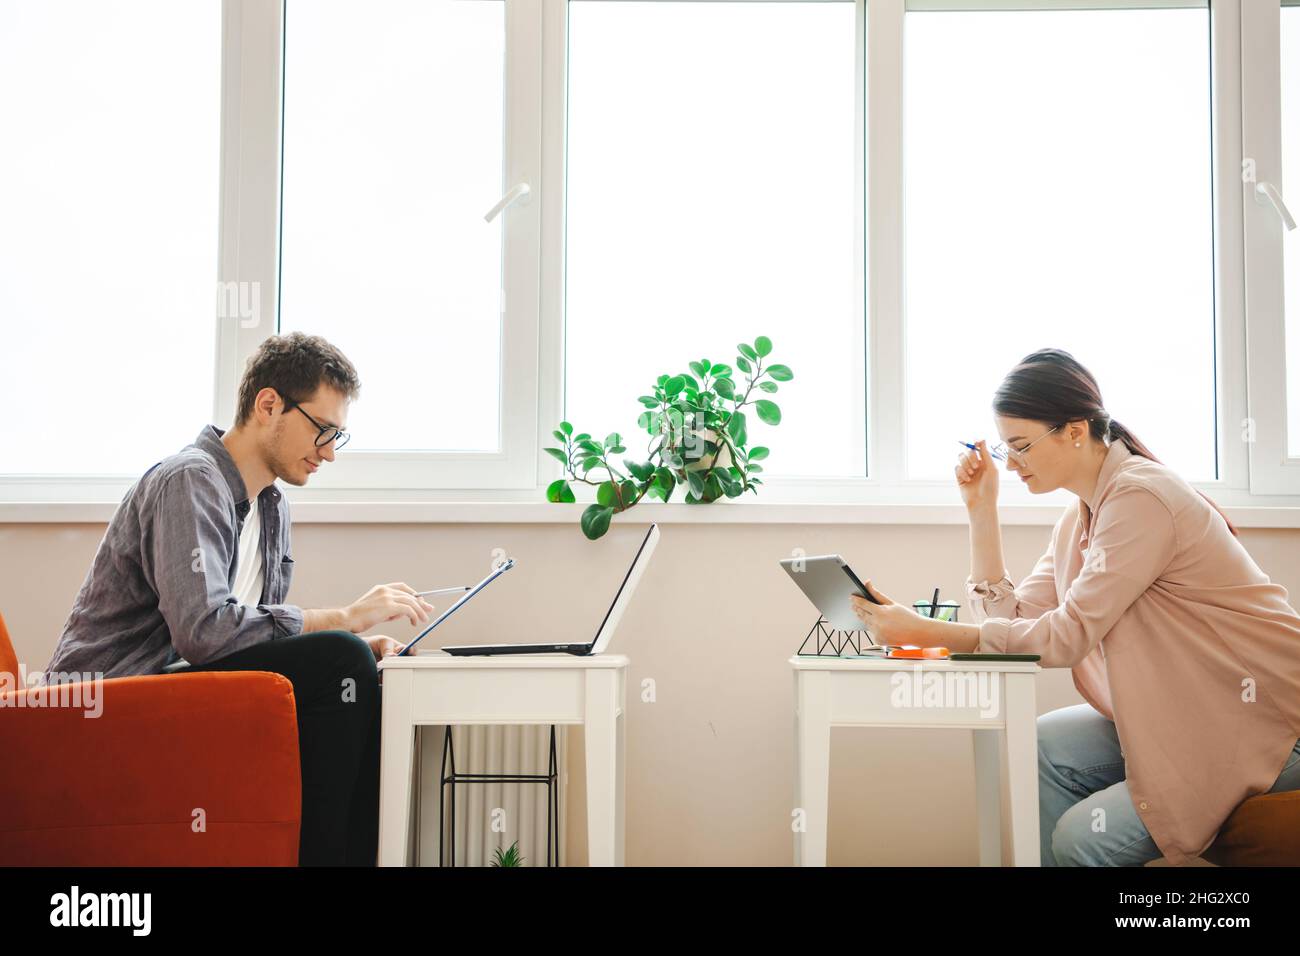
[248,566]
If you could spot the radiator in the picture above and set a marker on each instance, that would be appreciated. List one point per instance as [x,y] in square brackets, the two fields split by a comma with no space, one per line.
[493,814]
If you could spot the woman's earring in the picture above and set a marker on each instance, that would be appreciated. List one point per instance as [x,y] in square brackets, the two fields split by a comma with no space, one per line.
[1077,445]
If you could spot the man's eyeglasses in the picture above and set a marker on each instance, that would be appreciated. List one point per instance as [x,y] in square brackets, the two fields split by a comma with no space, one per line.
[328,433]
[1003,450]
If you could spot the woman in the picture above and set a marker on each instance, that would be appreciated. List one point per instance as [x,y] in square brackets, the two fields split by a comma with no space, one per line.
[1187,655]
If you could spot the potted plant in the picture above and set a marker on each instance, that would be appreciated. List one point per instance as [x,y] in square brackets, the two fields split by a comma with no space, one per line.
[508,857]
[698,439]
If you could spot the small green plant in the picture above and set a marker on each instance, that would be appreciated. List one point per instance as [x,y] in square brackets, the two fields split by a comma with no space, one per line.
[508,857]
[698,438]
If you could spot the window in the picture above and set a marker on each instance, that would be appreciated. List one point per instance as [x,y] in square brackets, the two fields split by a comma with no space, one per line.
[512,212]
[392,154]
[1058,194]
[710,200]
[1270,106]
[108,231]
[394,151]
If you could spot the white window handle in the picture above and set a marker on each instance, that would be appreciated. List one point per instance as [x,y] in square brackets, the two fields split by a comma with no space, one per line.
[1267,191]
[518,194]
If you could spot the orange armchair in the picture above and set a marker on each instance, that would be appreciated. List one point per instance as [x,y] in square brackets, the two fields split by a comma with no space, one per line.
[177,770]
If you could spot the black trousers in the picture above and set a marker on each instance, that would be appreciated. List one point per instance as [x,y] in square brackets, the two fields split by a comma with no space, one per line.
[337,692]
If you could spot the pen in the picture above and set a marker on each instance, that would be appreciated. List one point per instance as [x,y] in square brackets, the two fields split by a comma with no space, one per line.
[973,448]
[934,604]
[443,591]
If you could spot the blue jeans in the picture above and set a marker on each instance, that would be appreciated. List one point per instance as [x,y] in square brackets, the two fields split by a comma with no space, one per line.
[1080,771]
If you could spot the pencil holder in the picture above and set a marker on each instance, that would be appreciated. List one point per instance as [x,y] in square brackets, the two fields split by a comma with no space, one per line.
[943,611]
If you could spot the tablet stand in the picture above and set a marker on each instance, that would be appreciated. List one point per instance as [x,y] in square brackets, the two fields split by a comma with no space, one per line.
[833,642]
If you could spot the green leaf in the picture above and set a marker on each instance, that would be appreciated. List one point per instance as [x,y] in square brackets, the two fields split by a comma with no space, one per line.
[612,439]
[699,370]
[713,486]
[566,428]
[691,383]
[590,447]
[753,469]
[559,491]
[720,371]
[697,484]
[674,460]
[736,428]
[649,401]
[617,450]
[767,386]
[643,420]
[743,364]
[629,490]
[582,437]
[758,453]
[605,494]
[590,462]
[726,388]
[559,435]
[769,412]
[558,455]
[780,373]
[674,385]
[748,352]
[595,521]
[763,345]
[642,471]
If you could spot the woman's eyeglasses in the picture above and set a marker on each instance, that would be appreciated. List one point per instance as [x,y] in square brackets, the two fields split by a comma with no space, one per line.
[327,433]
[1002,450]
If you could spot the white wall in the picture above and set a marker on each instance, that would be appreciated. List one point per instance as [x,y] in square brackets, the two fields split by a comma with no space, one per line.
[713,624]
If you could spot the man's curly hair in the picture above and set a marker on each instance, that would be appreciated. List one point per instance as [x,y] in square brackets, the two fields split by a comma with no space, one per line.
[295,365]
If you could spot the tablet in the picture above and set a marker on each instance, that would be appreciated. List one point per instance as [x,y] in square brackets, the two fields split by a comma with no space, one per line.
[462,600]
[828,582]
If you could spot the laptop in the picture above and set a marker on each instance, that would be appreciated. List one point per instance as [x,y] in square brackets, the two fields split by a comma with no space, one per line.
[598,643]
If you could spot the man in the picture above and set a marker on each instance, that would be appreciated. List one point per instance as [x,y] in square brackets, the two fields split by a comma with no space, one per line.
[195,567]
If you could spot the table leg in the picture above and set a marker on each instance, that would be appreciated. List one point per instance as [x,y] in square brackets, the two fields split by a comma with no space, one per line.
[1022,768]
[397,749]
[603,734]
[812,748]
[988,794]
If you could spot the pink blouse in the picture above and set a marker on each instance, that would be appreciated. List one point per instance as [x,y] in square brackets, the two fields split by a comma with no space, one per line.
[1172,632]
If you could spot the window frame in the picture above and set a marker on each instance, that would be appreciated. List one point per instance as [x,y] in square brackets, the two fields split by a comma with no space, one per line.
[533,330]
[1273,470]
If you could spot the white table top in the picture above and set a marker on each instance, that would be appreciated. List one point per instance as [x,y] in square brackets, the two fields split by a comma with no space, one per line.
[878,663]
[558,661]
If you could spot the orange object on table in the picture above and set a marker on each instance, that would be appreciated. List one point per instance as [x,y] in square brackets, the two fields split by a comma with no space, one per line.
[912,652]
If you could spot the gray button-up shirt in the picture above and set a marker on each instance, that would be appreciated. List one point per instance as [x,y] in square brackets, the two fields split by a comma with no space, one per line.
[160,586]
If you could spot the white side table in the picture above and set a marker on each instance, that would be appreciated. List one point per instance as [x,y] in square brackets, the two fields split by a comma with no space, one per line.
[857,692]
[437,688]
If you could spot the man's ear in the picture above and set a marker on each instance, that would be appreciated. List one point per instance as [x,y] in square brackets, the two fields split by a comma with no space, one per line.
[266,404]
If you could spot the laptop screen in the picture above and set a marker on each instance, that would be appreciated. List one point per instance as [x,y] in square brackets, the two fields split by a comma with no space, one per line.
[625,590]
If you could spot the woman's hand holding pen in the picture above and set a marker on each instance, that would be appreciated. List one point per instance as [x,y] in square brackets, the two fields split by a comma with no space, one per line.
[977,479]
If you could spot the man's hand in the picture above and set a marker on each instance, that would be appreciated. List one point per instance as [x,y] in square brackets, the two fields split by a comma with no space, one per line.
[386,602]
[382,646]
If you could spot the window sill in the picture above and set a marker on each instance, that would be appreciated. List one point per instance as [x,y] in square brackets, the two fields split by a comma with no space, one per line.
[540,512]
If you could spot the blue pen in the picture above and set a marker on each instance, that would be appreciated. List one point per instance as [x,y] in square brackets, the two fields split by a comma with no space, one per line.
[973,448]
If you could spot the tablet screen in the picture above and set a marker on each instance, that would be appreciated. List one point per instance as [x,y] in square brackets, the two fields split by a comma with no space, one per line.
[451,610]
